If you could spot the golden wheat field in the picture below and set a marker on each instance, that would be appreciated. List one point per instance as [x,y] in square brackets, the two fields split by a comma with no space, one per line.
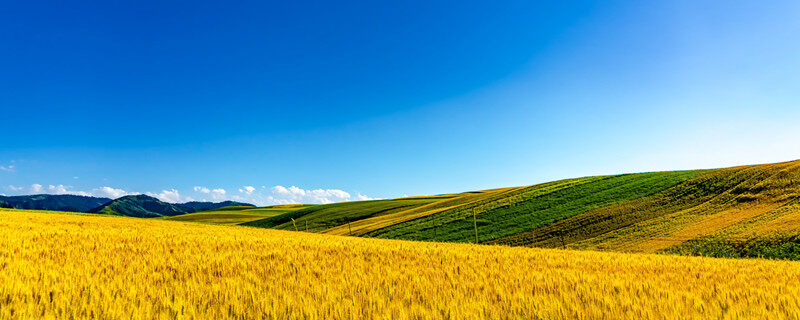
[79,266]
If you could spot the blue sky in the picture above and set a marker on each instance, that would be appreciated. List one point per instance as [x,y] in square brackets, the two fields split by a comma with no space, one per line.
[356,100]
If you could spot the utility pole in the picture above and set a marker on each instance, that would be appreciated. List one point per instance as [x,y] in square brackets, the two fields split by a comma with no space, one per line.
[349,228]
[475,223]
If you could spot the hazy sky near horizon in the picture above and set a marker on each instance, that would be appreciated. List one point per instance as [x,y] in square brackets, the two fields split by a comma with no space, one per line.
[295,101]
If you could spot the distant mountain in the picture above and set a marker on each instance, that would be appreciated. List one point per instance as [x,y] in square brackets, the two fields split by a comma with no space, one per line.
[55,202]
[134,206]
[144,206]
[141,206]
[204,206]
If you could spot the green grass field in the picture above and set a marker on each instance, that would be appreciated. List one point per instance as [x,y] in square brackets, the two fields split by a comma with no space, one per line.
[533,207]
[236,215]
[738,212]
[731,212]
[500,212]
[322,217]
[445,202]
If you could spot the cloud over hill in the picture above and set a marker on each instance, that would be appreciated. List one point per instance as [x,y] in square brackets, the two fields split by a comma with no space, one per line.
[261,196]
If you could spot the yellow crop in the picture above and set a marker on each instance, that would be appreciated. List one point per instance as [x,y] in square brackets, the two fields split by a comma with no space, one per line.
[79,266]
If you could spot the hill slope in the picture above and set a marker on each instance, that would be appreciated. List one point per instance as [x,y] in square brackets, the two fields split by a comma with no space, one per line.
[205,206]
[236,215]
[322,217]
[76,203]
[55,202]
[732,212]
[141,206]
[728,202]
[219,272]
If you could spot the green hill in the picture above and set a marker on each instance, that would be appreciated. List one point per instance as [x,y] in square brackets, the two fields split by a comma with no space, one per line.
[742,211]
[322,217]
[533,207]
[236,214]
[205,206]
[54,202]
[141,206]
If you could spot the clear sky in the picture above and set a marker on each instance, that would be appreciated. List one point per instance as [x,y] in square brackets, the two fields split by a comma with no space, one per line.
[346,100]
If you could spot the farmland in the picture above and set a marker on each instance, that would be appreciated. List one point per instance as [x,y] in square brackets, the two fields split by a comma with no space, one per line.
[236,215]
[324,217]
[55,265]
[533,207]
[745,211]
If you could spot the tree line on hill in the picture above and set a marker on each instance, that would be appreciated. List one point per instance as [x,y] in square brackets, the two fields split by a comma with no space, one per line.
[143,206]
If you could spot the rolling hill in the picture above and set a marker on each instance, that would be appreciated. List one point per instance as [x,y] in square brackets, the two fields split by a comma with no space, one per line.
[65,266]
[322,217]
[204,206]
[236,214]
[144,206]
[130,205]
[55,202]
[745,211]
[140,206]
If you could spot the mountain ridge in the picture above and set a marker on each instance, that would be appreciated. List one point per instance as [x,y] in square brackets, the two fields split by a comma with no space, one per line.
[90,204]
[144,206]
[205,205]
[54,202]
[140,206]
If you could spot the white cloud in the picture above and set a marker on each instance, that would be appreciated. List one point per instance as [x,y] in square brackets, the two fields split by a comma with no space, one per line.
[361,197]
[171,195]
[50,189]
[218,194]
[105,192]
[270,200]
[59,189]
[259,196]
[247,190]
[293,194]
[278,194]
[201,189]
[9,168]
[109,192]
[281,190]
